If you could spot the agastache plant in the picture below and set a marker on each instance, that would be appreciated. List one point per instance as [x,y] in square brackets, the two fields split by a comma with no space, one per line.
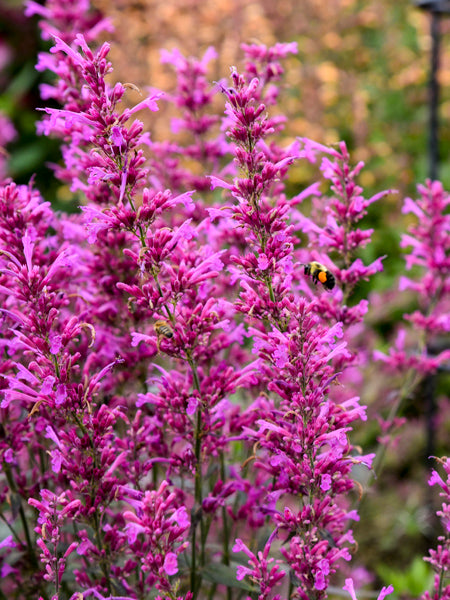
[171,423]
[86,452]
[335,237]
[429,243]
[300,435]
[172,282]
[105,160]
[439,559]
[420,349]
[68,441]
[101,144]
[67,18]
[200,148]
[334,225]
[53,513]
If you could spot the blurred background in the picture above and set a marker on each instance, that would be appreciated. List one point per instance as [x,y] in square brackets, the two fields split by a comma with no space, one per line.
[360,75]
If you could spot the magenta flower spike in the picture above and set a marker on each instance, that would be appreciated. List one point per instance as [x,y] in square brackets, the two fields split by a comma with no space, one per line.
[301,435]
[418,348]
[171,164]
[440,557]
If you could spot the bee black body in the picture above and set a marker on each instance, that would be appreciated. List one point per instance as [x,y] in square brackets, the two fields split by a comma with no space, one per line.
[163,329]
[319,272]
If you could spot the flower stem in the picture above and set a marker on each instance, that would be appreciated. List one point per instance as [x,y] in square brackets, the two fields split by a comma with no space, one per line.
[196,578]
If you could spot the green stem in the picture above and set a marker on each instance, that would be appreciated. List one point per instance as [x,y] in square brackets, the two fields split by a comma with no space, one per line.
[225,528]
[441,582]
[194,557]
[212,591]
[196,578]
[404,393]
[55,551]
[104,561]
[271,292]
[166,308]
[29,545]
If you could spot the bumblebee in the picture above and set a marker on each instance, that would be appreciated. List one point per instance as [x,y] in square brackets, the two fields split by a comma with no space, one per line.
[320,273]
[163,329]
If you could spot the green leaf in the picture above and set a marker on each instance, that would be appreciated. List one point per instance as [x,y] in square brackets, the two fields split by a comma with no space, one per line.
[226,575]
[413,581]
[27,159]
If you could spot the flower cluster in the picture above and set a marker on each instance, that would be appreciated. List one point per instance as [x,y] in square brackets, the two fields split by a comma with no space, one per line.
[439,559]
[152,531]
[101,144]
[419,351]
[54,512]
[259,570]
[67,18]
[200,147]
[429,241]
[333,230]
[301,434]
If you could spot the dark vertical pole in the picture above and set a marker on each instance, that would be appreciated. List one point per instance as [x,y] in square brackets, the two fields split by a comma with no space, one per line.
[434,97]
[436,9]
[430,409]
[429,384]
